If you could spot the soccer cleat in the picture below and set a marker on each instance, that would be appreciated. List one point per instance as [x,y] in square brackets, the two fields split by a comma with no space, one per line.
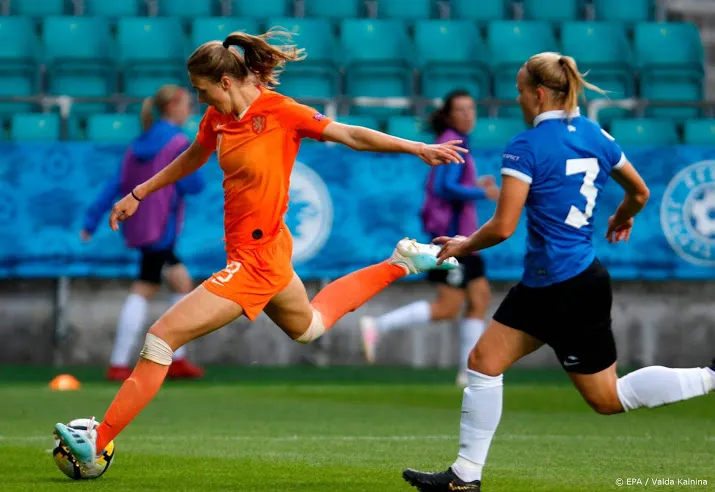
[418,257]
[445,481]
[81,443]
[370,336]
[118,373]
[183,369]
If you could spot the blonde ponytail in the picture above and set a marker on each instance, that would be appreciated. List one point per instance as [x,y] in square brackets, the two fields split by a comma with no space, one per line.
[165,95]
[147,113]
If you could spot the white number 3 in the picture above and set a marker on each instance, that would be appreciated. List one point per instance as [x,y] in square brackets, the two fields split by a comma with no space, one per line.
[231,269]
[589,166]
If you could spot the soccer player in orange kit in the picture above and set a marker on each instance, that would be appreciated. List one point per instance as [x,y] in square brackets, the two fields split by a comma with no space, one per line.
[256,133]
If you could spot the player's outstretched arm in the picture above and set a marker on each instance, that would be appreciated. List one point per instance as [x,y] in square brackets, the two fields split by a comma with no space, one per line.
[497,229]
[364,139]
[189,161]
[636,197]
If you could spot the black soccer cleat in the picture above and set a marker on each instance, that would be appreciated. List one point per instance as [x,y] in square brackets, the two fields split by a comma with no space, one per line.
[445,481]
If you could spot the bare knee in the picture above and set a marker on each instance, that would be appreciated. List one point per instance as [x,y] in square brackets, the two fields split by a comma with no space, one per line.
[144,289]
[605,404]
[484,363]
[443,311]
[163,330]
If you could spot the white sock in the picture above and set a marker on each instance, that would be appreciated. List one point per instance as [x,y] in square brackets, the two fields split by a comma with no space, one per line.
[179,353]
[656,385]
[481,413]
[470,330]
[417,312]
[129,328]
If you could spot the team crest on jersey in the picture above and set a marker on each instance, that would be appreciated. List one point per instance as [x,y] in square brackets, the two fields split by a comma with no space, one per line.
[687,213]
[258,123]
[310,212]
[319,116]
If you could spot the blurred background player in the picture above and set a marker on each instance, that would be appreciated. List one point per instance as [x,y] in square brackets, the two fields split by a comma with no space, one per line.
[557,169]
[155,229]
[449,209]
[256,133]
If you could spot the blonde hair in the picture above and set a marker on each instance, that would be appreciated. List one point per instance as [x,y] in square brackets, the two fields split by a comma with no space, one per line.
[165,95]
[215,59]
[559,74]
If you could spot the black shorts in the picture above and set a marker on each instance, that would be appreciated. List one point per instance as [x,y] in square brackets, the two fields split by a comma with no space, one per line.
[573,317]
[152,263]
[470,268]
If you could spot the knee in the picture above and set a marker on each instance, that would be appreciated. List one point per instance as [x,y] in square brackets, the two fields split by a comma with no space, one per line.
[483,363]
[162,330]
[157,350]
[315,329]
[606,405]
[441,312]
[477,305]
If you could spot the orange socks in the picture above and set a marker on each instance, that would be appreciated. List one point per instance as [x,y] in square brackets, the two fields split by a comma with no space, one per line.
[133,396]
[350,292]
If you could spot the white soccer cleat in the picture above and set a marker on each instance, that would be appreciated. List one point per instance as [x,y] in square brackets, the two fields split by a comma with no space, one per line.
[81,443]
[370,336]
[418,257]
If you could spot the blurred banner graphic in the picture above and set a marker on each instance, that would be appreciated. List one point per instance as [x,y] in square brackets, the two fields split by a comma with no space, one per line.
[347,210]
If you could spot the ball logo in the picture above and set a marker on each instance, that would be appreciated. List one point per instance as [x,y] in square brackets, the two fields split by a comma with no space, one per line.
[687,213]
[310,212]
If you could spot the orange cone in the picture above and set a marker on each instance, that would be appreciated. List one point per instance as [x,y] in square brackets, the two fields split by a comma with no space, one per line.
[65,382]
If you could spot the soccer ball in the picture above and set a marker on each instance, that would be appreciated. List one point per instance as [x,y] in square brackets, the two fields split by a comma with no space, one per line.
[69,465]
[703,212]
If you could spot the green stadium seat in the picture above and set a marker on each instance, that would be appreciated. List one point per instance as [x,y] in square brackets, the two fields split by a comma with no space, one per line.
[482,11]
[699,132]
[495,132]
[360,120]
[451,57]
[113,9]
[217,28]
[37,8]
[113,128]
[644,131]
[35,127]
[18,62]
[186,8]
[262,8]
[552,10]
[629,11]
[409,127]
[404,9]
[344,9]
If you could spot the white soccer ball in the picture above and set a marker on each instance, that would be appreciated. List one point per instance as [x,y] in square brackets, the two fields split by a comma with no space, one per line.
[69,465]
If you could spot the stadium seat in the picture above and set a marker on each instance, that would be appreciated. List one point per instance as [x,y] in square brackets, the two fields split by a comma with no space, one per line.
[376,54]
[78,53]
[671,59]
[699,132]
[35,127]
[317,75]
[37,8]
[344,9]
[360,120]
[261,8]
[630,11]
[409,127]
[186,8]
[495,132]
[113,128]
[602,50]
[217,28]
[510,45]
[151,52]
[404,9]
[450,54]
[552,10]
[18,62]
[482,11]
[645,131]
[125,8]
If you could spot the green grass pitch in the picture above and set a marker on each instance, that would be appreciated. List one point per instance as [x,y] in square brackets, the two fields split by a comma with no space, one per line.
[349,429]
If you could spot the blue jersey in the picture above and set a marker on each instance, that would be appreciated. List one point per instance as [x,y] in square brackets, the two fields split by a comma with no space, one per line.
[566,164]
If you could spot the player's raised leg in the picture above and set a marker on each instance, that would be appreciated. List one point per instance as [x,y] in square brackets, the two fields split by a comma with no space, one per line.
[648,387]
[306,321]
[195,315]
[497,349]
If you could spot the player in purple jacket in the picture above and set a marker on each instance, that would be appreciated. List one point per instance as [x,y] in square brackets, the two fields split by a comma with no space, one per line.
[449,209]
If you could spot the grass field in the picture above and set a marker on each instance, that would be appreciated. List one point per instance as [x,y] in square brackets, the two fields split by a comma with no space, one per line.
[349,429]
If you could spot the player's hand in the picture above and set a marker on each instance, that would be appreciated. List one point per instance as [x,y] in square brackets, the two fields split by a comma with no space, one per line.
[456,246]
[122,210]
[445,153]
[618,230]
[492,192]
[85,235]
[486,181]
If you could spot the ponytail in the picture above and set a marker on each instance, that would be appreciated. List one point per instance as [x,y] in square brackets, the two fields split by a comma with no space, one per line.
[147,113]
[257,57]
[158,103]
[576,82]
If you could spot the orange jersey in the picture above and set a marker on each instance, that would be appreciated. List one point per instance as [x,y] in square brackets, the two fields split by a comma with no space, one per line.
[256,154]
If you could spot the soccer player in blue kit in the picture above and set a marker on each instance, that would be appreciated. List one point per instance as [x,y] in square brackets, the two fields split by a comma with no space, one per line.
[557,170]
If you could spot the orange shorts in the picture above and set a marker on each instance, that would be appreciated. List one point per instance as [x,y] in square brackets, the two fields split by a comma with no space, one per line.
[252,277]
